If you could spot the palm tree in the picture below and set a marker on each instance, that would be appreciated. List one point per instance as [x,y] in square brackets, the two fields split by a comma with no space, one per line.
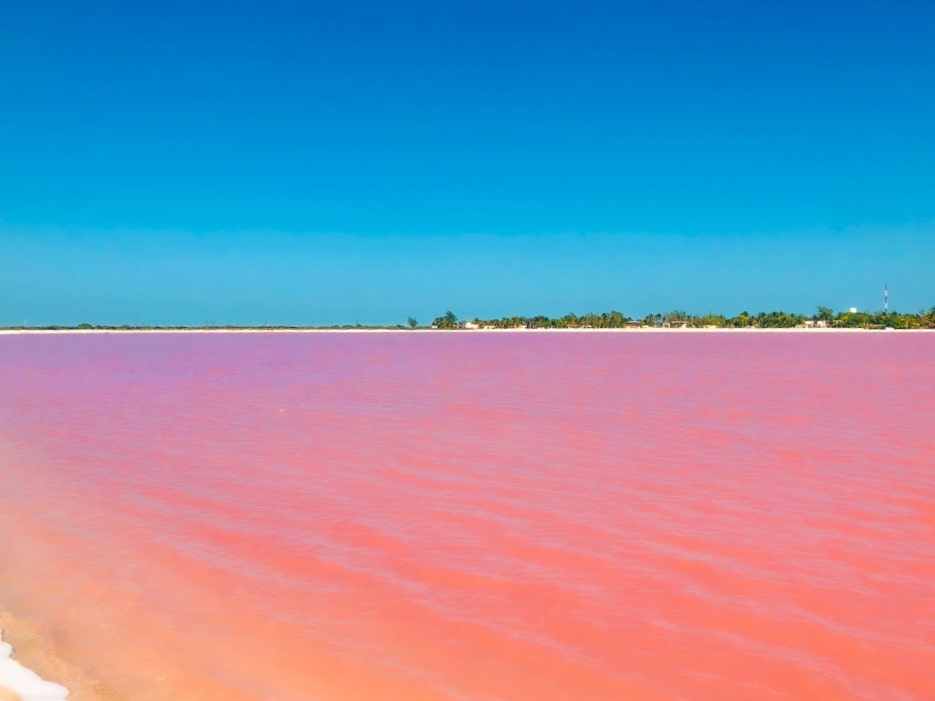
[448,321]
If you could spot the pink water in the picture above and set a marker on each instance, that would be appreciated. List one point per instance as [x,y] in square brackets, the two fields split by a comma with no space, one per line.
[526,516]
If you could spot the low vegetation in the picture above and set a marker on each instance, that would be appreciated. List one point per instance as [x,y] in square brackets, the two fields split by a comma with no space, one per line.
[822,318]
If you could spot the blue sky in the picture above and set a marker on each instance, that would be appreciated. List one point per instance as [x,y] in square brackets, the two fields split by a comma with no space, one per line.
[333,162]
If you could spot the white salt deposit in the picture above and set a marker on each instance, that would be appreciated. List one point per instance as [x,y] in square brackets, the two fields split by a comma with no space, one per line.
[25,683]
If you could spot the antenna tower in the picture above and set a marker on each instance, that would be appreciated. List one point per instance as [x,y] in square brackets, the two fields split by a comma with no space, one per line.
[886,299]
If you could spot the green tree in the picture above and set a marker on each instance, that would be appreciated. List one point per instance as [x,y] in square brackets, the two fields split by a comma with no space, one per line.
[616,320]
[678,317]
[447,321]
[711,320]
[412,322]
[592,320]
[927,319]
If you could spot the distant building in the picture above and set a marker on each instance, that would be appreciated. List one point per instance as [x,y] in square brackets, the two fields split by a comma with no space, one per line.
[470,325]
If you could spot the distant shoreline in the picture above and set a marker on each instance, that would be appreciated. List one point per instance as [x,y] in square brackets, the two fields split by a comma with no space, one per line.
[469,332]
[824,320]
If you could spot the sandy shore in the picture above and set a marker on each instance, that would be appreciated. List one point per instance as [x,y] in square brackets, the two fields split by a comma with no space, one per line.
[35,651]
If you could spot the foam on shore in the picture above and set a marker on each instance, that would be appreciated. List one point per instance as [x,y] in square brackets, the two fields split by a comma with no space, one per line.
[25,684]
[28,661]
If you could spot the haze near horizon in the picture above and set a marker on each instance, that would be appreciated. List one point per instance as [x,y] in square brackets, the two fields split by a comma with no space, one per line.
[332,163]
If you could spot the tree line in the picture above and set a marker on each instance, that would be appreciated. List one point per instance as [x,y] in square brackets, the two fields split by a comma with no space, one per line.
[823,317]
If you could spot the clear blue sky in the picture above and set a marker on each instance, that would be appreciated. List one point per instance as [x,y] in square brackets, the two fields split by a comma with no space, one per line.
[326,162]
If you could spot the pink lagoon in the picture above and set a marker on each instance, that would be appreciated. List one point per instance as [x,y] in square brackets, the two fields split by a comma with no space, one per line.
[474,516]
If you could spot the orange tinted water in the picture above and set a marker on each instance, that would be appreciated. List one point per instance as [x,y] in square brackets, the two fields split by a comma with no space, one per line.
[461,516]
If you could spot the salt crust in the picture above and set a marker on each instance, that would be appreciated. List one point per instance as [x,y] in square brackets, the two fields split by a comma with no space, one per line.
[25,683]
